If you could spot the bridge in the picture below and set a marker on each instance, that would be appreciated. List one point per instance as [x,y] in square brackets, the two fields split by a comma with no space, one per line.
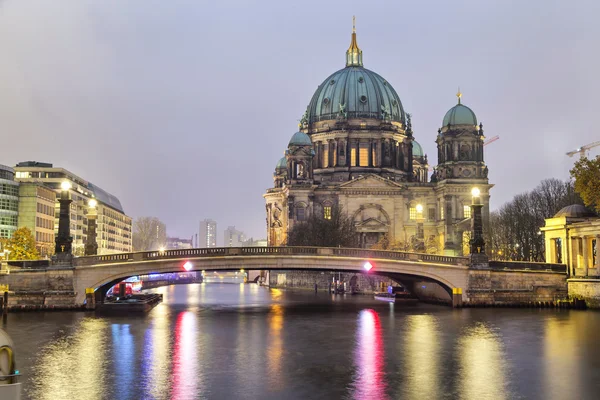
[430,277]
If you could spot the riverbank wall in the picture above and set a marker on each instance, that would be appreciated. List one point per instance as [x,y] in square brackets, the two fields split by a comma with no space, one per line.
[585,289]
[47,288]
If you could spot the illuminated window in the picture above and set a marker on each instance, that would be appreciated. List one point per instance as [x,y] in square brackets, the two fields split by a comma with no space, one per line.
[442,212]
[364,155]
[412,213]
[467,211]
[353,156]
[327,212]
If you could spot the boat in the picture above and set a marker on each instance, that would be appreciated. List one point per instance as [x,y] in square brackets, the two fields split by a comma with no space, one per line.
[384,296]
[10,388]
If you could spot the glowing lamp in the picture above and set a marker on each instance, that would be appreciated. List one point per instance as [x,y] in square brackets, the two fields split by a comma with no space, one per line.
[419,208]
[188,266]
[475,192]
[65,186]
[368,266]
[161,250]
[93,203]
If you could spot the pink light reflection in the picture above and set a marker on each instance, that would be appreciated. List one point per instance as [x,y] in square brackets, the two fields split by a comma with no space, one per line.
[185,363]
[369,382]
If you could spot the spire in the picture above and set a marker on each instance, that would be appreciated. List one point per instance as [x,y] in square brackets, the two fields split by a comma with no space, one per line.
[354,54]
[459,95]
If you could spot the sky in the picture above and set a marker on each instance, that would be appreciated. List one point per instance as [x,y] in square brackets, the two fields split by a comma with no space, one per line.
[182,108]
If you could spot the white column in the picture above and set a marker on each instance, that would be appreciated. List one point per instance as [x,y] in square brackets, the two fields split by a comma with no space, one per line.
[584,248]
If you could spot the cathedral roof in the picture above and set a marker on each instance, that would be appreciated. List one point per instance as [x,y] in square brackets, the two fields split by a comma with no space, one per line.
[355,92]
[459,115]
[417,150]
[300,139]
[281,164]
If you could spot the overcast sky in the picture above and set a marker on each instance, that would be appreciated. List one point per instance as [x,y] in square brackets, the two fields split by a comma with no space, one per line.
[182,108]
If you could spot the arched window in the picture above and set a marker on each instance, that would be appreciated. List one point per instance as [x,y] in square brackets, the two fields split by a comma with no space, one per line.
[465,152]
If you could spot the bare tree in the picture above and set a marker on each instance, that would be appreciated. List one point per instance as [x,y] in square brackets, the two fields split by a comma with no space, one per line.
[337,231]
[149,233]
[515,227]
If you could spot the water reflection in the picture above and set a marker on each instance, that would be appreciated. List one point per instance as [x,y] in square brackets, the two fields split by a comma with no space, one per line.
[482,364]
[561,352]
[123,358]
[421,355]
[369,381]
[275,347]
[186,376]
[156,357]
[73,367]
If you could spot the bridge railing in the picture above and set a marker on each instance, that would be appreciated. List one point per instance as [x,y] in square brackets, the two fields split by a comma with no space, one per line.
[261,251]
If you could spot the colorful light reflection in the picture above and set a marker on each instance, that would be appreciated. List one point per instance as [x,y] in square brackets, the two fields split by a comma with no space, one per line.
[185,364]
[369,382]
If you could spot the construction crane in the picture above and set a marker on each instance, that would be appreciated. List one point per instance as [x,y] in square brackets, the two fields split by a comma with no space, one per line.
[491,140]
[583,149]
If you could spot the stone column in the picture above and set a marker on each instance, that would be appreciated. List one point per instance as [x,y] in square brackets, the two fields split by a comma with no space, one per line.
[348,153]
[370,153]
[91,245]
[337,152]
[357,158]
[584,249]
[597,264]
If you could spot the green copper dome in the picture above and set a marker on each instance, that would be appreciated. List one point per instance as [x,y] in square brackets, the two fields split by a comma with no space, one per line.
[281,164]
[354,92]
[417,150]
[460,115]
[300,139]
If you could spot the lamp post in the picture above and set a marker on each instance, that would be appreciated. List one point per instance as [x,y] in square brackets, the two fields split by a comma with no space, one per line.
[91,245]
[64,240]
[477,243]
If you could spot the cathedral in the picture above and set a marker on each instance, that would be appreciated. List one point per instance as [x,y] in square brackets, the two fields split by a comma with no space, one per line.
[356,149]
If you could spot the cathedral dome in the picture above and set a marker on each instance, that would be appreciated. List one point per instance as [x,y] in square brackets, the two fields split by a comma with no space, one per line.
[354,92]
[574,211]
[300,139]
[417,150]
[459,115]
[281,164]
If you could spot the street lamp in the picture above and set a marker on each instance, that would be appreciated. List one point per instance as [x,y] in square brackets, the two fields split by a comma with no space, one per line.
[91,244]
[477,243]
[64,240]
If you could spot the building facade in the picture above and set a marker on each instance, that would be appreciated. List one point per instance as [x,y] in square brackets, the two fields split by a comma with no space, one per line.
[37,210]
[356,149]
[233,238]
[178,243]
[113,229]
[9,202]
[572,237]
[208,233]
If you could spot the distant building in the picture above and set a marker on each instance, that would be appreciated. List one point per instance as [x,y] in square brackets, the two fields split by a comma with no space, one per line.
[208,233]
[177,243]
[233,237]
[9,202]
[113,225]
[37,212]
[255,243]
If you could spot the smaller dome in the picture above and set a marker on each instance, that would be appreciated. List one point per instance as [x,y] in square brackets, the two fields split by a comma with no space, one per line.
[417,150]
[300,139]
[460,115]
[574,211]
[281,164]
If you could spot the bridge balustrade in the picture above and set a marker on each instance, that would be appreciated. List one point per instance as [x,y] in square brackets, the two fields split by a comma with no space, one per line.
[261,251]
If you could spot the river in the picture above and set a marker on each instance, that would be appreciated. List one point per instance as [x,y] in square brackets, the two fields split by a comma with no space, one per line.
[220,341]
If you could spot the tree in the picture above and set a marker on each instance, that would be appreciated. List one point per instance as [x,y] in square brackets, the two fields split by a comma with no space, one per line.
[149,233]
[515,227]
[21,245]
[586,174]
[337,231]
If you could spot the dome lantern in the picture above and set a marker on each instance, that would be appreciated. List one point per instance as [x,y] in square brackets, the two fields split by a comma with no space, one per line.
[459,114]
[354,53]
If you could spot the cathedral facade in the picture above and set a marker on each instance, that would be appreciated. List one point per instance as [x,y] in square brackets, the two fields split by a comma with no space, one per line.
[356,149]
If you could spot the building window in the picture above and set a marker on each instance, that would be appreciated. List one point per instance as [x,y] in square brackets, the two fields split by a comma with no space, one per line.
[558,250]
[412,213]
[420,231]
[300,213]
[353,156]
[327,212]
[594,251]
[441,212]
[364,154]
[467,211]
[431,214]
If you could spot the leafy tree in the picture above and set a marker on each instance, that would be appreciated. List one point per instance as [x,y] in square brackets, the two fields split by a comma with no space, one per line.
[337,231]
[21,245]
[149,233]
[586,173]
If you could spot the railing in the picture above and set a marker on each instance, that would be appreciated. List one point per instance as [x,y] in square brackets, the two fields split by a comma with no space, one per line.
[527,266]
[261,251]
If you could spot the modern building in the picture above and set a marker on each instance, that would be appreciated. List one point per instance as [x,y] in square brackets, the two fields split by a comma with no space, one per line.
[37,209]
[572,237]
[255,243]
[178,243]
[356,148]
[113,225]
[9,202]
[208,233]
[233,237]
